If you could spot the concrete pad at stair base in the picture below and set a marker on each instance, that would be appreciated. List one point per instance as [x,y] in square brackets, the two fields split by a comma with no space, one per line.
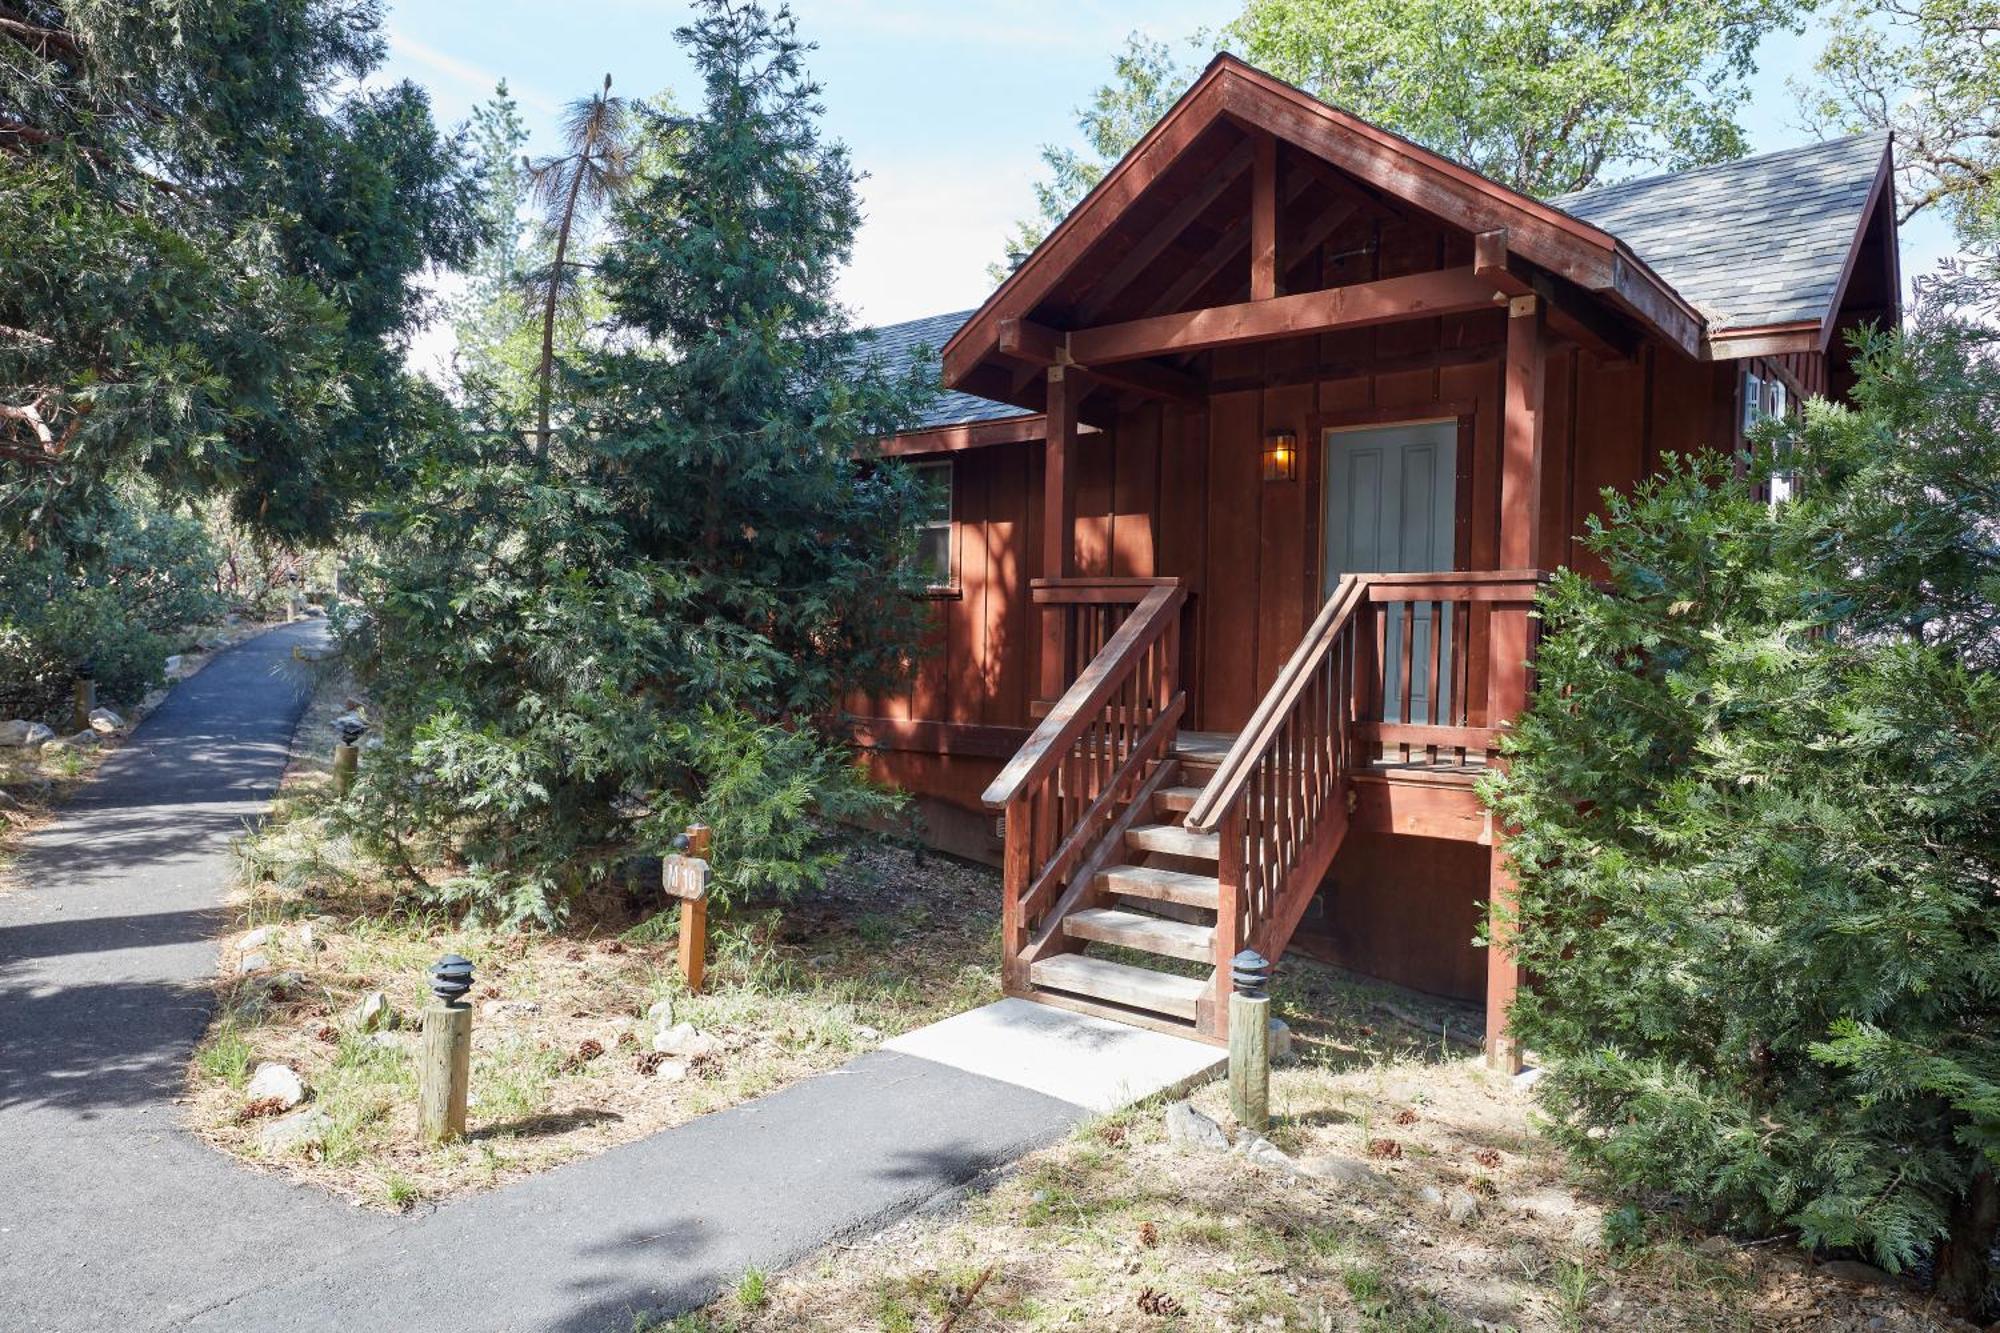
[1090,1062]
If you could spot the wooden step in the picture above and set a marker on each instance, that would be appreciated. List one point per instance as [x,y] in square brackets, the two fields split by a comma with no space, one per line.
[1133,986]
[1148,934]
[1174,839]
[1173,886]
[1178,800]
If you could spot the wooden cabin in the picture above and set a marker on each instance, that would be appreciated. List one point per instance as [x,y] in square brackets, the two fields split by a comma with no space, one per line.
[1245,481]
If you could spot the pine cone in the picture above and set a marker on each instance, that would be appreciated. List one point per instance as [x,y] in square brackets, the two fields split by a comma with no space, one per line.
[1160,1305]
[649,1062]
[1149,1235]
[1487,1158]
[1407,1116]
[1387,1150]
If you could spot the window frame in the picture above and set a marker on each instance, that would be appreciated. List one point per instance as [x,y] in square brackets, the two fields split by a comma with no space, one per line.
[949,587]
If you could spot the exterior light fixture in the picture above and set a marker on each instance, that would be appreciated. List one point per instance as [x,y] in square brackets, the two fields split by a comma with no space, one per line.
[1281,455]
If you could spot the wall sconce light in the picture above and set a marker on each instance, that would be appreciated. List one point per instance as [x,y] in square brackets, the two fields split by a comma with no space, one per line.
[1281,455]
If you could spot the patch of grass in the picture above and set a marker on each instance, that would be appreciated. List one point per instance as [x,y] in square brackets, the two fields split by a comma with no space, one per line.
[753,1289]
[225,1056]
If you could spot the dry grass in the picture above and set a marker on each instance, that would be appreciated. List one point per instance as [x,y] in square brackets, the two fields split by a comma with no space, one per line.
[1116,1229]
[561,1030]
[33,786]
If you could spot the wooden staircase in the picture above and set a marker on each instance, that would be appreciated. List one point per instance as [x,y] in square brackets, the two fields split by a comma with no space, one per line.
[1140,859]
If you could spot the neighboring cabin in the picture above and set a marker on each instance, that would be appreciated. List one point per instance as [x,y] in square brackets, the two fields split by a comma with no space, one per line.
[1276,355]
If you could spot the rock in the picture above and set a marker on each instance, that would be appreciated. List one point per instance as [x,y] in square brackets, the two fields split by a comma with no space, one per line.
[1460,1206]
[273,1080]
[255,939]
[1342,1170]
[373,1014]
[173,666]
[1279,1039]
[671,1071]
[251,962]
[1853,1270]
[1432,1195]
[105,721]
[509,1008]
[387,1041]
[294,1132]
[661,1013]
[23,734]
[309,939]
[1528,1078]
[1714,1245]
[682,1040]
[1187,1126]
[1266,1153]
[863,1032]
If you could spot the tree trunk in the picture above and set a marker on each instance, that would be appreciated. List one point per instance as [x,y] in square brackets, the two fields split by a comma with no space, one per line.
[1964,1267]
[548,365]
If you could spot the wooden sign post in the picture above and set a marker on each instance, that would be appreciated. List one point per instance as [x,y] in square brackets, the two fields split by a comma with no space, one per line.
[686,878]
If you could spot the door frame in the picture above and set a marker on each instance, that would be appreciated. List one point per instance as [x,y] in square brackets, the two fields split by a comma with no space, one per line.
[1323,424]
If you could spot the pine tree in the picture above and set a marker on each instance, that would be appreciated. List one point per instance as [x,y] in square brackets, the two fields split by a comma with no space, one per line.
[576,655]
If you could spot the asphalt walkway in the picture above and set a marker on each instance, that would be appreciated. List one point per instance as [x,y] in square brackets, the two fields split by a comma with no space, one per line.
[112,1216]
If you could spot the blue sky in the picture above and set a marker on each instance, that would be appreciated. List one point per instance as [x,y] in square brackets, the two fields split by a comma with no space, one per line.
[944,103]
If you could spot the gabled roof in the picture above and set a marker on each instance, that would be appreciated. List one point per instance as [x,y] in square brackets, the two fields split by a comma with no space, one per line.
[1755,242]
[1761,242]
[896,349]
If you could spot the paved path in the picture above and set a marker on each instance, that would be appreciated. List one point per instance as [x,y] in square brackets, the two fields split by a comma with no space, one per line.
[111,1216]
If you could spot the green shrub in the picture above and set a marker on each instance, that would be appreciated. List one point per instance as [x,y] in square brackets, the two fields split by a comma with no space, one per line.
[1758,803]
[118,596]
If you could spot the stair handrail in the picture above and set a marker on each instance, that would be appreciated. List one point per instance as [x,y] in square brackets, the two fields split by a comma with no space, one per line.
[1073,714]
[1226,785]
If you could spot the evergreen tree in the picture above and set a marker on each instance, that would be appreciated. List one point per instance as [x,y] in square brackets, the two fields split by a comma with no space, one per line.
[576,655]
[210,235]
[1758,808]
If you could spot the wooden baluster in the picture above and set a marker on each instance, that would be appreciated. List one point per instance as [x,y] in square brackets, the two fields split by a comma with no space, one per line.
[1403,672]
[1433,661]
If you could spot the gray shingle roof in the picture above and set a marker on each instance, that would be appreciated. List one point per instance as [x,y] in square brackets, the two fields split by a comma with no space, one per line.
[896,348]
[1756,241]
[1760,240]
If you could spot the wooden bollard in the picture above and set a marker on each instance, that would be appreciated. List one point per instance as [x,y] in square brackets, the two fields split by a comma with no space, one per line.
[1250,1041]
[83,700]
[685,876]
[445,1071]
[346,761]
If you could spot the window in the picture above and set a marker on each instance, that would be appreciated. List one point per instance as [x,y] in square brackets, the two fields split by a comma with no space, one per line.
[933,521]
[1764,398]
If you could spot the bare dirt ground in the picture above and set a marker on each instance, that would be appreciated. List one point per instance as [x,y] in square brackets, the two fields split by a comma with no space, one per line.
[563,1038]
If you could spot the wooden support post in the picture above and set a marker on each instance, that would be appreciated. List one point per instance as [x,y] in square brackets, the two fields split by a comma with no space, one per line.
[1264,218]
[83,702]
[1250,1041]
[1067,386]
[346,760]
[686,878]
[444,1070]
[1521,547]
[1521,459]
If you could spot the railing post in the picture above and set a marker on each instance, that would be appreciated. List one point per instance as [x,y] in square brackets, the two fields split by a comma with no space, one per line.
[1017,872]
[1212,1015]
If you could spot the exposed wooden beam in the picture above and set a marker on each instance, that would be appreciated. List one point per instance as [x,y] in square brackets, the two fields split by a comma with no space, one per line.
[1044,346]
[1315,232]
[1263,217]
[1570,312]
[1219,255]
[1489,260]
[1451,291]
[1165,232]
[1024,429]
[1067,386]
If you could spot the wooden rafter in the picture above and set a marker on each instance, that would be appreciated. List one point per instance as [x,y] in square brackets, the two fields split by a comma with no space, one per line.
[1263,217]
[1164,233]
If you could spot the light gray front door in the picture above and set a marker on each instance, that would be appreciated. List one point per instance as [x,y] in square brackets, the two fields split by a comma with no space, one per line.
[1391,493]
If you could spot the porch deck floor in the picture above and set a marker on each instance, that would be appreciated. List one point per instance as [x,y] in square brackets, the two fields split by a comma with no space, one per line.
[1210,747]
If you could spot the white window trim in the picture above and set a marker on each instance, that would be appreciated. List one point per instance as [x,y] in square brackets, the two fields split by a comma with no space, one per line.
[948,523]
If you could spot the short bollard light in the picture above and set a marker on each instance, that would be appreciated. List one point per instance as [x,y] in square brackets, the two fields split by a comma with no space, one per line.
[347,753]
[446,1068]
[1250,1040]
[84,697]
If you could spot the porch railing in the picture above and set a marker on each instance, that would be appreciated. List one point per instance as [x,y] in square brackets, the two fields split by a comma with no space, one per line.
[1414,668]
[1087,759]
